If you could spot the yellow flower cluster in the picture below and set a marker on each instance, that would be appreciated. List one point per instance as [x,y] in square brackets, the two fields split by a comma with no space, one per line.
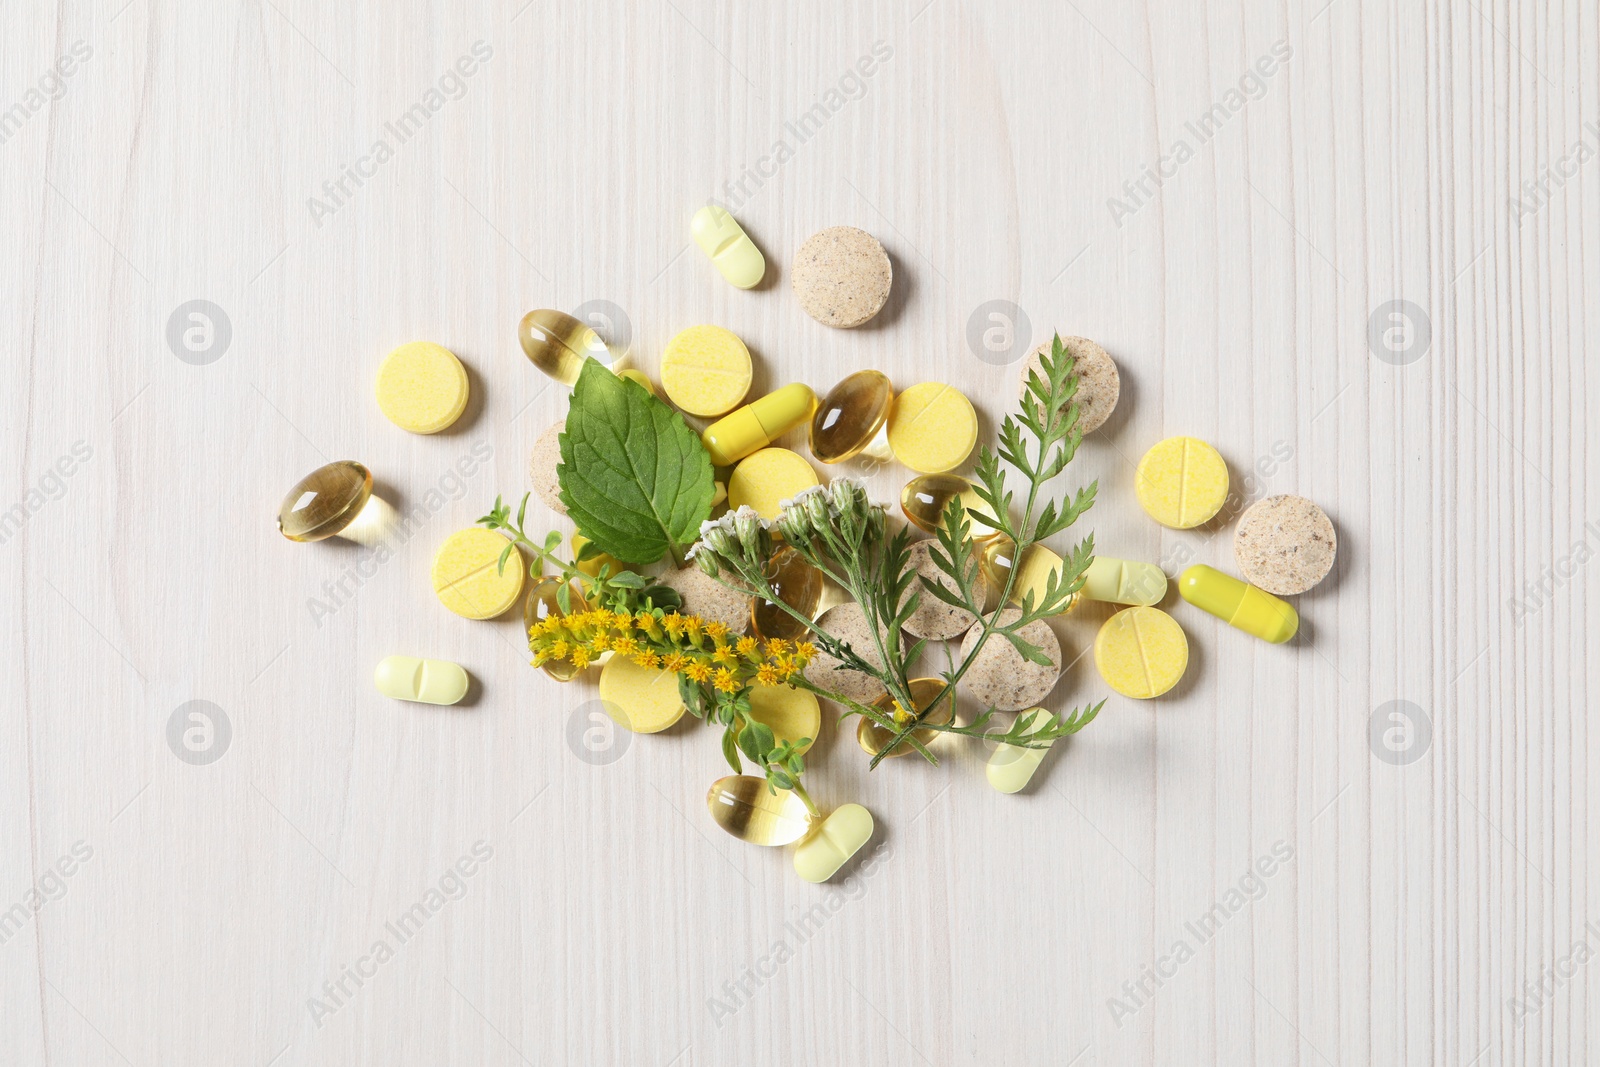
[704,652]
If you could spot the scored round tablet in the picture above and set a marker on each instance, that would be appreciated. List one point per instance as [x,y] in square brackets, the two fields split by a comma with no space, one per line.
[1285,544]
[1181,482]
[1099,384]
[841,276]
[706,370]
[767,478]
[1141,652]
[468,578]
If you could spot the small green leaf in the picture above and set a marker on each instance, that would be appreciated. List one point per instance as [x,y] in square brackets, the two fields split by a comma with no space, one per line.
[730,752]
[634,477]
[504,554]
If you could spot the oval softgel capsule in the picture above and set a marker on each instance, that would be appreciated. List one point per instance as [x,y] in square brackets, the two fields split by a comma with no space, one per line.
[840,836]
[729,248]
[1239,604]
[425,681]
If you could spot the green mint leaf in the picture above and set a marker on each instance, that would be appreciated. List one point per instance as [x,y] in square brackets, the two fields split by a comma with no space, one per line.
[635,479]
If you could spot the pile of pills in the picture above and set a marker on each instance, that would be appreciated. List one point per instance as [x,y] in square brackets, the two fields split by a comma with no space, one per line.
[841,277]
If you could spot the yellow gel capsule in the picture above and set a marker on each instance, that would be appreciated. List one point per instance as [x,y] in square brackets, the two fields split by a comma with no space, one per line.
[729,248]
[745,807]
[1011,767]
[544,603]
[325,502]
[467,575]
[1141,652]
[642,699]
[557,343]
[926,498]
[421,387]
[426,681]
[932,428]
[1239,604]
[1181,482]
[706,370]
[758,424]
[873,738]
[1034,577]
[768,478]
[840,836]
[853,418]
[1120,581]
[790,713]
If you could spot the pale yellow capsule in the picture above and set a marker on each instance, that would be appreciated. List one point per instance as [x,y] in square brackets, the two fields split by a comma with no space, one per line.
[1011,767]
[729,248]
[840,836]
[426,681]
[1121,581]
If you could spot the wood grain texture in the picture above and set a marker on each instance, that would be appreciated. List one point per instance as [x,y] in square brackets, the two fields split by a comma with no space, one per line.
[1422,904]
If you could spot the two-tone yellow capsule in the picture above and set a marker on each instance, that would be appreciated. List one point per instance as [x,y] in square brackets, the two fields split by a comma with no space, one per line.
[1122,581]
[758,424]
[1239,604]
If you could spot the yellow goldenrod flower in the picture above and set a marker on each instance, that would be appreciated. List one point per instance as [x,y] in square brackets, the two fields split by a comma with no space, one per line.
[673,624]
[767,674]
[747,647]
[777,646]
[728,681]
[625,646]
[559,650]
[716,631]
[647,658]
[698,671]
[805,650]
[601,641]
[676,662]
[725,655]
[580,657]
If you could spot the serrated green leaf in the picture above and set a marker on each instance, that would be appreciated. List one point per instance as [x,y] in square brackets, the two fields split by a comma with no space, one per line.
[635,479]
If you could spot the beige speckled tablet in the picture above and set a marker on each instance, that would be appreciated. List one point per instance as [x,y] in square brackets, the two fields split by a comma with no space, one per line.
[1099,384]
[848,623]
[1000,676]
[542,464]
[1284,544]
[842,276]
[934,619]
[703,596]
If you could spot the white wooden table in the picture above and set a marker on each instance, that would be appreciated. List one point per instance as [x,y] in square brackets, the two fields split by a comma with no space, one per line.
[1227,196]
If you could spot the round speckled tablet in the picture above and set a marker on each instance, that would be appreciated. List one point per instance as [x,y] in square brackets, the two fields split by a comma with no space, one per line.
[842,276]
[767,478]
[702,596]
[1000,676]
[848,623]
[542,466]
[422,387]
[467,575]
[932,428]
[1099,384]
[1284,544]
[642,699]
[1181,482]
[1141,652]
[706,370]
[935,619]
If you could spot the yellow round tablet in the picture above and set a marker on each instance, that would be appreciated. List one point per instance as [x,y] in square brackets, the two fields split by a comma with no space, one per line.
[642,699]
[706,370]
[1181,482]
[767,478]
[467,575]
[932,428]
[1141,652]
[791,713]
[422,387]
